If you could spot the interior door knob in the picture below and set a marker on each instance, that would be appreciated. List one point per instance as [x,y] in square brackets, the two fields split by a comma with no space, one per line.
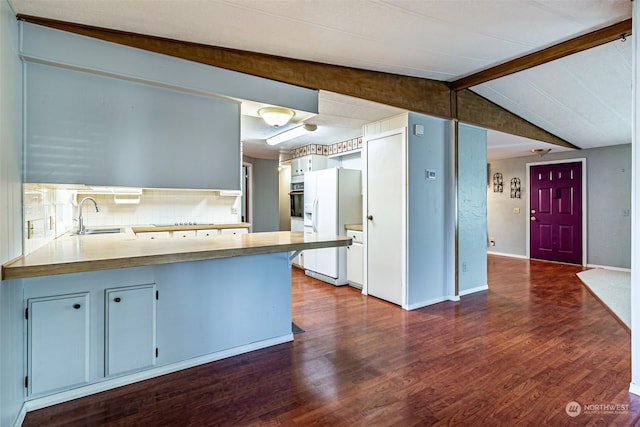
[370,217]
[533,218]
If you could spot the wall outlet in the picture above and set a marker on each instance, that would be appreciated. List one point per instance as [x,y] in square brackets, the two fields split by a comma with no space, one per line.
[234,211]
[516,210]
[464,266]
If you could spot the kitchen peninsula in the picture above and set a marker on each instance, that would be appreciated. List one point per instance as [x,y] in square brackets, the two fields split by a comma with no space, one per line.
[108,310]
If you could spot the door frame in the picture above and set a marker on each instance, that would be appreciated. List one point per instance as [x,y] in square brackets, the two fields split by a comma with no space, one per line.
[247,193]
[365,211]
[583,219]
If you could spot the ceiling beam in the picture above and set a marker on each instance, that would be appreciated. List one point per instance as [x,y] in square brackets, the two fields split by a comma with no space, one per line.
[411,93]
[560,50]
[415,94]
[477,110]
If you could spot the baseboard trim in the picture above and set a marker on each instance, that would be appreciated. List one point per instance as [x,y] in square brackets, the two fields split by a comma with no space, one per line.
[506,254]
[331,280]
[474,290]
[634,388]
[606,267]
[54,399]
[426,303]
[21,416]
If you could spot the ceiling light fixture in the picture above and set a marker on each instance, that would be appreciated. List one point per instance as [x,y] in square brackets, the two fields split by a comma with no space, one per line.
[291,133]
[276,116]
[540,151]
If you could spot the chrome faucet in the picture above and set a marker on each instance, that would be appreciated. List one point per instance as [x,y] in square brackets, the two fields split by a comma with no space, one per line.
[80,223]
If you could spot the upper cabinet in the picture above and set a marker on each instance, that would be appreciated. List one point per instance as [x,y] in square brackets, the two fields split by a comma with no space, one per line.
[308,163]
[84,128]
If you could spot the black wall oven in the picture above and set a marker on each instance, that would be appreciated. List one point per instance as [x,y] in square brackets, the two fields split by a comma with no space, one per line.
[297,199]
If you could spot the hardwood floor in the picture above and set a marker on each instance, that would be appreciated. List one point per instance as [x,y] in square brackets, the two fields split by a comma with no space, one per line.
[514,355]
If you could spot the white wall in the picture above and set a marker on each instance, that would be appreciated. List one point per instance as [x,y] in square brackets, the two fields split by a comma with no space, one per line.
[11,357]
[635,205]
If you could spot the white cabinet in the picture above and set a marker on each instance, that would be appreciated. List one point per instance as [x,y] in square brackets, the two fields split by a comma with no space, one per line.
[355,259]
[130,329]
[58,342]
[184,233]
[298,261]
[153,235]
[207,233]
[308,163]
[234,231]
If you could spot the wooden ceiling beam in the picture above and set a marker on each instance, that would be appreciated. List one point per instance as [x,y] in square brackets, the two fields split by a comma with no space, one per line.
[419,95]
[477,110]
[412,93]
[560,50]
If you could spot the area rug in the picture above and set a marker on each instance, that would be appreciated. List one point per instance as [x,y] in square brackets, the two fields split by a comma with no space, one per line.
[613,289]
[296,329]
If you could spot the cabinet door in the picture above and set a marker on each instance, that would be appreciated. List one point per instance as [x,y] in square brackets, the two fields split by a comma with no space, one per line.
[207,233]
[153,235]
[355,264]
[130,328]
[184,233]
[234,231]
[58,343]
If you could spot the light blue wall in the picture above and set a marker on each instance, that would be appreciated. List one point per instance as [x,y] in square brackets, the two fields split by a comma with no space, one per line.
[11,356]
[608,205]
[266,212]
[472,208]
[46,45]
[427,202]
[85,128]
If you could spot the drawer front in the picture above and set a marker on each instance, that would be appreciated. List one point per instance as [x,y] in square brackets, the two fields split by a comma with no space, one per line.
[355,235]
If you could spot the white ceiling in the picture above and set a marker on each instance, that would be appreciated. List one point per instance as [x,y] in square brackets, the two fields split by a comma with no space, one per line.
[584,99]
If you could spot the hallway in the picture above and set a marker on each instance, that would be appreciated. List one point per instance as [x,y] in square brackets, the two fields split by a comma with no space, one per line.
[518,353]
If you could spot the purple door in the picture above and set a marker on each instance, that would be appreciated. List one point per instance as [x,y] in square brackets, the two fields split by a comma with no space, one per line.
[556,212]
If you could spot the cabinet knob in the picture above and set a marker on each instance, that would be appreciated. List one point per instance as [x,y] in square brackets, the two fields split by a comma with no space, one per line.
[370,217]
[76,306]
[117,299]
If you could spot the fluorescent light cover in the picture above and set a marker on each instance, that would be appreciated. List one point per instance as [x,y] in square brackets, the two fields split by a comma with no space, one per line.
[291,133]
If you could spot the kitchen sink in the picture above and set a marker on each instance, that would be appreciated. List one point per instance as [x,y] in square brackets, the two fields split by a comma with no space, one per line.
[102,231]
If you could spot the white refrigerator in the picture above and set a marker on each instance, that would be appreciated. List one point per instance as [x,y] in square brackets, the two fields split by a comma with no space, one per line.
[332,198]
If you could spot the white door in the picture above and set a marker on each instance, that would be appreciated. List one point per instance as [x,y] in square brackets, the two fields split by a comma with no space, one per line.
[130,329]
[58,337]
[386,225]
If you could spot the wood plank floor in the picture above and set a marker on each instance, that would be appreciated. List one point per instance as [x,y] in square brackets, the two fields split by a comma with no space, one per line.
[514,355]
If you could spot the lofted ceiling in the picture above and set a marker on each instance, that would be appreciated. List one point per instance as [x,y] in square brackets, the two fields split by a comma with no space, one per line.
[584,98]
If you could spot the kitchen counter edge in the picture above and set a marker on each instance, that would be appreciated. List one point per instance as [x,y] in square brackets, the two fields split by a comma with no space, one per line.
[86,253]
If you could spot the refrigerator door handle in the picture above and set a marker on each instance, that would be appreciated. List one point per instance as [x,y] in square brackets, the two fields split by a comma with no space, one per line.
[315,214]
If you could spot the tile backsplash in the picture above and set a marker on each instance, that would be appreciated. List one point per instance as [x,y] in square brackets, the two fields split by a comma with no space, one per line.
[49,211]
[163,207]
